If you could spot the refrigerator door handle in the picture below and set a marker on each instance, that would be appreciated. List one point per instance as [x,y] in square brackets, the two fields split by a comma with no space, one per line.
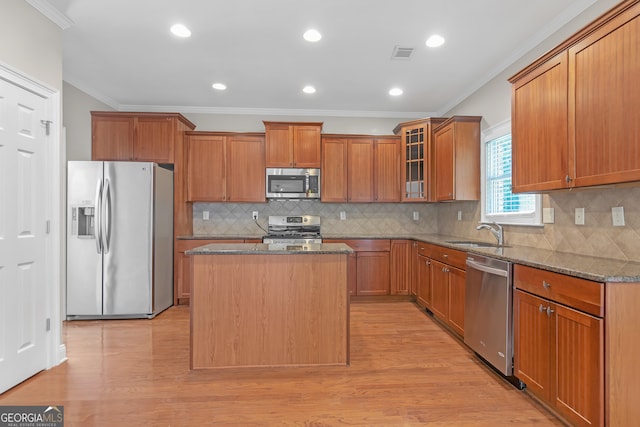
[106,216]
[97,224]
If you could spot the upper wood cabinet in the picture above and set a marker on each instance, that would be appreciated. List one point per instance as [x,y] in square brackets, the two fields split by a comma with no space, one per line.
[292,144]
[417,171]
[225,167]
[575,110]
[360,168]
[149,137]
[457,159]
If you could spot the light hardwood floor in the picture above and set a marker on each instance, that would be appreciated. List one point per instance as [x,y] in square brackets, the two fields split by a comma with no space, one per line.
[405,370]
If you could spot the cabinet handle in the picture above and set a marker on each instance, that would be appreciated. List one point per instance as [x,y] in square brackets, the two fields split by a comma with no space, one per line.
[546,284]
[549,311]
[541,308]
[445,255]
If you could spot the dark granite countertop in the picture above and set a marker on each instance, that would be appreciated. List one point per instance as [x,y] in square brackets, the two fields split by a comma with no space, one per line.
[586,267]
[273,249]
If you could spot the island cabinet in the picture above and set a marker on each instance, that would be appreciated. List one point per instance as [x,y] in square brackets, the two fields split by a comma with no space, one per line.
[372,269]
[559,342]
[367,167]
[256,306]
[225,167]
[182,266]
[447,286]
[290,145]
[575,110]
[417,159]
[457,159]
[147,137]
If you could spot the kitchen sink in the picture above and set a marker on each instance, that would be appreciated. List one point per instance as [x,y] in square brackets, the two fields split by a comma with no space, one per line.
[472,244]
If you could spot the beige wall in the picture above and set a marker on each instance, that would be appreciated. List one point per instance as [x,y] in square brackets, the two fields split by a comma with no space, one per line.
[31,43]
[77,121]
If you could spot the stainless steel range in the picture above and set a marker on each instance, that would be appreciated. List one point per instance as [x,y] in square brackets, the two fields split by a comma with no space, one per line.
[293,230]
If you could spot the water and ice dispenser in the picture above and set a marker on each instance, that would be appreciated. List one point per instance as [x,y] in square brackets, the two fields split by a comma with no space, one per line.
[83,221]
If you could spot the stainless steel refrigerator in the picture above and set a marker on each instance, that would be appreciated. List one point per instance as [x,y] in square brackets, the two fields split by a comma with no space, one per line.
[119,240]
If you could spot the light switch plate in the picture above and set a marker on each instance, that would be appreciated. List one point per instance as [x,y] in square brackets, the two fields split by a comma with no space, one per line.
[548,216]
[579,216]
[343,215]
[416,215]
[459,215]
[617,216]
[205,215]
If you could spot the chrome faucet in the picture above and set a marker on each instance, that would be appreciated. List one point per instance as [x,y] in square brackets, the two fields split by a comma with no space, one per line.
[495,229]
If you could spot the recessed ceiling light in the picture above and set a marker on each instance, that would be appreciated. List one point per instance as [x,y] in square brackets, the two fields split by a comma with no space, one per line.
[309,89]
[219,86]
[312,35]
[396,91]
[435,40]
[180,30]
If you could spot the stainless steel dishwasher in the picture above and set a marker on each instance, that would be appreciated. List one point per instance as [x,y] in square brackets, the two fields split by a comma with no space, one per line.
[488,312]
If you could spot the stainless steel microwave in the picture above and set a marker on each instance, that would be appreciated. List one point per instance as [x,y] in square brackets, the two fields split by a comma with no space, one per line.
[293,183]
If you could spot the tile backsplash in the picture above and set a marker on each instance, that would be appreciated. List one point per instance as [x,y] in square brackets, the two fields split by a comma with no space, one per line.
[597,237]
[361,218]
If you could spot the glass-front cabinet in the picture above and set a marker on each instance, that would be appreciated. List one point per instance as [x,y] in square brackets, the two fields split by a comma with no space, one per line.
[417,173]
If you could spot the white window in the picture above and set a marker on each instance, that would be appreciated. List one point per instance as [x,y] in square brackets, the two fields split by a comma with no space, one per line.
[498,203]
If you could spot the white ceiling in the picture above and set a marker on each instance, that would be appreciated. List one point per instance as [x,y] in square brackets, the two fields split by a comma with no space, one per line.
[121,52]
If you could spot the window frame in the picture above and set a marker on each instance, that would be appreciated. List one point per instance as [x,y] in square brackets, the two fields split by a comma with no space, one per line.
[534,218]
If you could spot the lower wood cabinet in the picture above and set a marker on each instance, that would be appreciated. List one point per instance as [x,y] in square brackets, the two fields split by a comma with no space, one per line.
[447,286]
[371,275]
[400,261]
[423,294]
[558,350]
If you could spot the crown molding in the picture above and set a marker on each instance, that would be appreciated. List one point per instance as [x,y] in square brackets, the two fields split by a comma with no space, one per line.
[274,111]
[48,10]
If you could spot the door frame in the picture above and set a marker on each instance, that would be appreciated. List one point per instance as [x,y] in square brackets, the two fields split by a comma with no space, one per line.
[54,187]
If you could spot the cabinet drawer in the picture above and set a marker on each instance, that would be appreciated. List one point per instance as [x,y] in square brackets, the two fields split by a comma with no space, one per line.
[581,294]
[185,245]
[424,249]
[364,245]
[449,256]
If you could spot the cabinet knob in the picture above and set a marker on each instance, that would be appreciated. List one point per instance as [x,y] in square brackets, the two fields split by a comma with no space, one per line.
[549,311]
[541,308]
[568,179]
[546,284]
[445,255]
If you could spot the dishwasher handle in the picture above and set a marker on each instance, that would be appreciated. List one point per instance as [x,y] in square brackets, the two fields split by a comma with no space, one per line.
[487,269]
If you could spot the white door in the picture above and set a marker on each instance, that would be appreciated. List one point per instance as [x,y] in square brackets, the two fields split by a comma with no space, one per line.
[23,282]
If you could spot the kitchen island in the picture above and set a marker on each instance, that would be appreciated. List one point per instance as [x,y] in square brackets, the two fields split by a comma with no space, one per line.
[269,305]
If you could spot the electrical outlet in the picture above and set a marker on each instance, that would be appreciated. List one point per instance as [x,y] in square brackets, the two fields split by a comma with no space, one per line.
[548,215]
[205,215]
[254,215]
[459,215]
[343,215]
[579,216]
[416,215]
[617,215]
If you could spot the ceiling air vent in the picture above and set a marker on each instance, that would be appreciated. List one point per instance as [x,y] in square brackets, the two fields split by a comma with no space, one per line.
[402,52]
